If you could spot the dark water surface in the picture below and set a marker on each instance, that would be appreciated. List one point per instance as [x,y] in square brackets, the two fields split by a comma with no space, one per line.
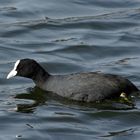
[68,36]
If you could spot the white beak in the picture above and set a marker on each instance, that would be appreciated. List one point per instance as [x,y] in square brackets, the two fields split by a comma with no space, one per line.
[13,72]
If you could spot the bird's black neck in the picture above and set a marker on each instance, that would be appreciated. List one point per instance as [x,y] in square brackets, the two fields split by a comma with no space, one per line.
[40,76]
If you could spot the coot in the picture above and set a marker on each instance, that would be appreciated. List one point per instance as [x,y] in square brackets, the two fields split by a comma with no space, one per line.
[88,87]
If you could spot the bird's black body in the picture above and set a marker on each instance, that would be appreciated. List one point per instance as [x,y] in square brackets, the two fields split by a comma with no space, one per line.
[86,87]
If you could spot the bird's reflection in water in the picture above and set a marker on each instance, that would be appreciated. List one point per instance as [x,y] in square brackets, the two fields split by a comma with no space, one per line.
[38,96]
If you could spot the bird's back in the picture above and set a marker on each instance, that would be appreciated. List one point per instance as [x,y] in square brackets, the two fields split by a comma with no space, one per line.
[89,86]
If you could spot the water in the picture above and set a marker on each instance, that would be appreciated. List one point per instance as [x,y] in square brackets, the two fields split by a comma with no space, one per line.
[66,37]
